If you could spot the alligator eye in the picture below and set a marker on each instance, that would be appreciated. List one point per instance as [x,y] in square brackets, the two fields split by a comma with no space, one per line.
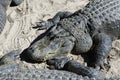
[30,50]
[85,31]
[42,60]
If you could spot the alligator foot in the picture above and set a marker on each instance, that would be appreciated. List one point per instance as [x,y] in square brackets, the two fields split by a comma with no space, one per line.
[53,21]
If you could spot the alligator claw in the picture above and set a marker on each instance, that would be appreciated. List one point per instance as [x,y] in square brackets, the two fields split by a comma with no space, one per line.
[98,65]
[41,25]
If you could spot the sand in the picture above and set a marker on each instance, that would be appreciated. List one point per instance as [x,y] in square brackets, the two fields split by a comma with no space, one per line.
[18,32]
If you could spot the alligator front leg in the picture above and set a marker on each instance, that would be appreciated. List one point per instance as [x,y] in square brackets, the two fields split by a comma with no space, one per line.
[53,21]
[101,48]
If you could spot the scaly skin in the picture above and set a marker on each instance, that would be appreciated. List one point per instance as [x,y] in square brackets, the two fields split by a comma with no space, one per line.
[89,30]
[13,72]
[9,69]
[3,7]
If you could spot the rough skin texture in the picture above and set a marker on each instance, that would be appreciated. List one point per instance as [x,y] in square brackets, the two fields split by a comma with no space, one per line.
[15,73]
[3,7]
[10,70]
[91,29]
[69,65]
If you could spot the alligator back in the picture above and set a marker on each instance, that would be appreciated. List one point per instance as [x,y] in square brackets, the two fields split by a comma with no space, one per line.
[96,16]
[104,15]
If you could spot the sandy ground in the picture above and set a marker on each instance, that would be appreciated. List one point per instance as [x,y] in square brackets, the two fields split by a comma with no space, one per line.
[18,32]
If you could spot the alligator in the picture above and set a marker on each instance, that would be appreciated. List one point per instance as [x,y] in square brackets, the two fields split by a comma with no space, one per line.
[3,7]
[13,72]
[90,30]
[10,70]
